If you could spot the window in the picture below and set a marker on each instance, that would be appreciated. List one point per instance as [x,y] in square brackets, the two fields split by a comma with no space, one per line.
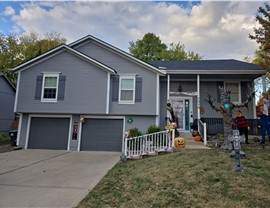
[50,87]
[127,90]
[235,93]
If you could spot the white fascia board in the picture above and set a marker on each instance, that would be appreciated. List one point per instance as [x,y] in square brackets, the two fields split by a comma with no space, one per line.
[123,53]
[32,62]
[216,72]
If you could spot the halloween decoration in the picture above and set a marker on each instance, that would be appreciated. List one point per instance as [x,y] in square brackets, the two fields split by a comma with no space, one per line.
[226,110]
[173,119]
[179,142]
[195,133]
[198,138]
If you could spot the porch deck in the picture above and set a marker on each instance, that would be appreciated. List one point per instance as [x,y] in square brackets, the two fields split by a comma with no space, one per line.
[191,143]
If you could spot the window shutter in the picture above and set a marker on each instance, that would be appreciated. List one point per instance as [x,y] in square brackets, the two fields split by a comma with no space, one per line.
[38,87]
[138,90]
[244,91]
[115,89]
[61,87]
[219,84]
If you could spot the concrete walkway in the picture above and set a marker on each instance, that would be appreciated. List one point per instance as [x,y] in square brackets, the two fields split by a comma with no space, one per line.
[191,143]
[49,178]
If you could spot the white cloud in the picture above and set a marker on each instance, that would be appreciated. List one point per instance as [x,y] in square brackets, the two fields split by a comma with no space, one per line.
[9,11]
[212,29]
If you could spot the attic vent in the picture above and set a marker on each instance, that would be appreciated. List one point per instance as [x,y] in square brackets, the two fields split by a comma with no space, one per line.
[162,67]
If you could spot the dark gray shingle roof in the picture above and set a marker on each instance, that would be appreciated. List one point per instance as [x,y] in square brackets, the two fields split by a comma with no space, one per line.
[229,64]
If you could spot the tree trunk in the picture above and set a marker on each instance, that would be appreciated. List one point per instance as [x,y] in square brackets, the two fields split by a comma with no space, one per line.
[228,131]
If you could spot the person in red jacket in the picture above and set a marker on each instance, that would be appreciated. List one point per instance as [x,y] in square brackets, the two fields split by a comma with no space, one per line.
[242,125]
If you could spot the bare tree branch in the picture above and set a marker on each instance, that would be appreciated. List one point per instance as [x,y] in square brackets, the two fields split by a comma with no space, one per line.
[210,101]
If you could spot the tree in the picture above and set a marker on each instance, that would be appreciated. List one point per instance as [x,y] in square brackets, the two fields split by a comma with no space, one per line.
[262,36]
[177,52]
[148,48]
[151,48]
[16,49]
[226,110]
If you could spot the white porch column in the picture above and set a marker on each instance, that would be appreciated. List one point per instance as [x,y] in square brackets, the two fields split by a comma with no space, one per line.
[198,97]
[168,87]
[158,101]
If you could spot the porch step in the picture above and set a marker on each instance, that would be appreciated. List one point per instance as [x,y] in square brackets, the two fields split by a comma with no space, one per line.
[191,143]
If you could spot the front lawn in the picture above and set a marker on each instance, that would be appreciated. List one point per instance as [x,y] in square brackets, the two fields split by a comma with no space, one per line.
[190,178]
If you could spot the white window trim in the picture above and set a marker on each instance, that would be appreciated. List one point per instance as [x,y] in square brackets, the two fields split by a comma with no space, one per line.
[239,89]
[134,83]
[51,74]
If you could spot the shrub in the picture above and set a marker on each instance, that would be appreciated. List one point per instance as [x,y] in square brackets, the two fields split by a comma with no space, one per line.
[153,129]
[135,132]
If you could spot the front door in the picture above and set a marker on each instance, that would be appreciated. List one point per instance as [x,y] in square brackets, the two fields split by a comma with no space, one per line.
[183,111]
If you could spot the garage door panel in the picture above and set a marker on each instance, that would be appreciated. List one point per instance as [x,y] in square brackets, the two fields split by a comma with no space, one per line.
[49,133]
[102,135]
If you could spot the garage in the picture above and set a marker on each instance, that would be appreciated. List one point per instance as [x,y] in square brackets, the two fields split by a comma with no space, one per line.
[102,135]
[49,133]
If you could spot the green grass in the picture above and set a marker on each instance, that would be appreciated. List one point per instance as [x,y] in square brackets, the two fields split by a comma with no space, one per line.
[190,178]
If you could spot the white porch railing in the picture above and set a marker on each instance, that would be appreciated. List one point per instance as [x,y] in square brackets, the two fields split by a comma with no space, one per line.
[202,130]
[149,144]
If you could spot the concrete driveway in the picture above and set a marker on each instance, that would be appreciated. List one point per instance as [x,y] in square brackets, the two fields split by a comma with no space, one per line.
[48,178]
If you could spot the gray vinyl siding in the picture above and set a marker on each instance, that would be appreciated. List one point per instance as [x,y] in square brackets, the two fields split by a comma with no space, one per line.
[140,122]
[85,87]
[125,66]
[7,98]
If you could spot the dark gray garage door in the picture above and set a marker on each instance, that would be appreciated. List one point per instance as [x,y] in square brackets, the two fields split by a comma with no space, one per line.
[49,133]
[102,135]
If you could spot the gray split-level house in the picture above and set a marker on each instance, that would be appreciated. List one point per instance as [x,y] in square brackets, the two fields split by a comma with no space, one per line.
[84,96]
[7,98]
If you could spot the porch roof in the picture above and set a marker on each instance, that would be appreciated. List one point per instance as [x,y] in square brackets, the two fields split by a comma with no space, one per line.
[210,67]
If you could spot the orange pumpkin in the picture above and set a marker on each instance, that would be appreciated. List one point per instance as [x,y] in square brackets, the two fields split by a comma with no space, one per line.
[179,142]
[198,138]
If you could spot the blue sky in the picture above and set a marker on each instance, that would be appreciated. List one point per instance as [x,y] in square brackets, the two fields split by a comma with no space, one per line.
[214,29]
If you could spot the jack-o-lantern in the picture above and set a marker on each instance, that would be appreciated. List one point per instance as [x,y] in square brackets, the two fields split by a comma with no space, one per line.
[179,142]
[198,138]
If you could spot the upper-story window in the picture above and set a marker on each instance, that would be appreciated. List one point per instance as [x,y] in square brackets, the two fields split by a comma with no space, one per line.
[127,90]
[235,91]
[50,87]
